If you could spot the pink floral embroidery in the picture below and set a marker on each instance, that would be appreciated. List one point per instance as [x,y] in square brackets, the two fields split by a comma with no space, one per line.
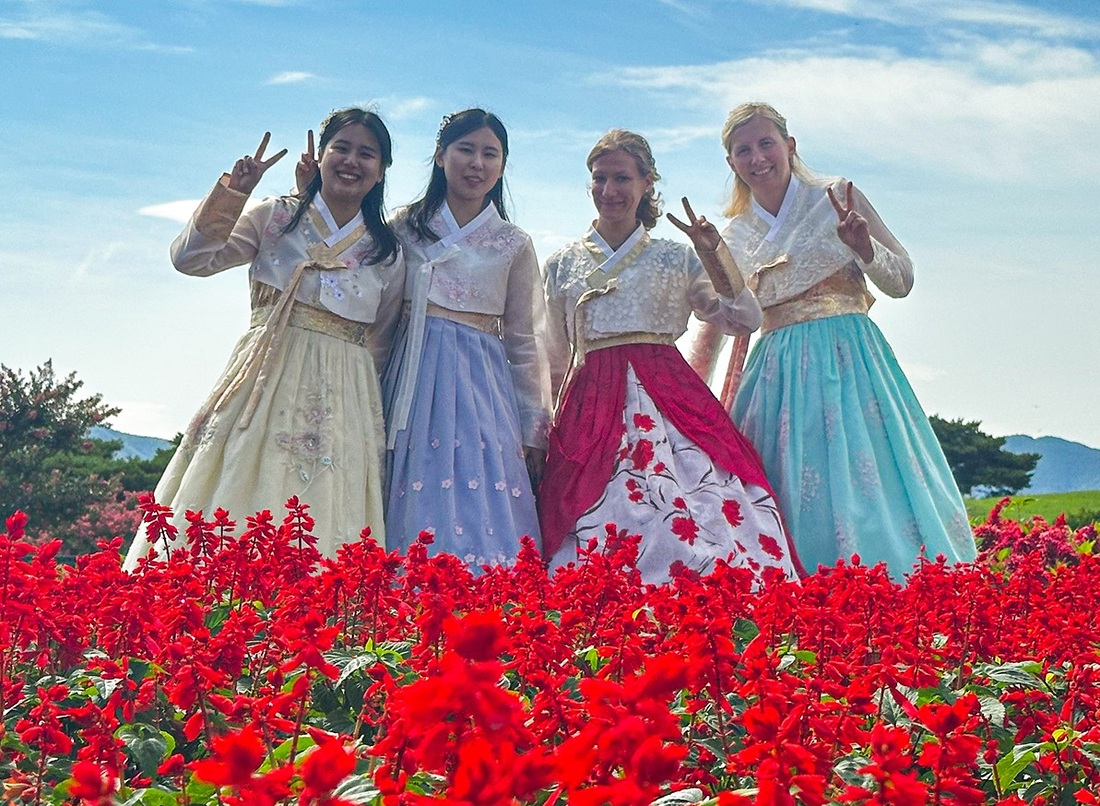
[679,503]
[659,467]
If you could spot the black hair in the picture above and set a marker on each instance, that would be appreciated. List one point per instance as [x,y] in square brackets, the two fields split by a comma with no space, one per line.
[455,126]
[385,242]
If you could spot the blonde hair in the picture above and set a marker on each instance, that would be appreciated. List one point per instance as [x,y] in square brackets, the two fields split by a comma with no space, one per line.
[649,208]
[738,117]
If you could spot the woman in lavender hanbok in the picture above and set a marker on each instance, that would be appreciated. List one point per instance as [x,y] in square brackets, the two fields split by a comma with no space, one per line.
[467,387]
[856,464]
[639,440]
[298,409]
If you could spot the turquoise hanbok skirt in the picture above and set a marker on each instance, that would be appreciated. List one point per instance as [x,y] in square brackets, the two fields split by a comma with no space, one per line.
[848,449]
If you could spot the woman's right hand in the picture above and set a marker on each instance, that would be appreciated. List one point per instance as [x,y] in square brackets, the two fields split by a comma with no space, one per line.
[248,171]
[306,168]
[704,236]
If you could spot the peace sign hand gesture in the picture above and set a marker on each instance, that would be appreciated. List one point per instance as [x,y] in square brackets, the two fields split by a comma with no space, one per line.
[306,168]
[247,171]
[703,234]
[852,229]
[719,265]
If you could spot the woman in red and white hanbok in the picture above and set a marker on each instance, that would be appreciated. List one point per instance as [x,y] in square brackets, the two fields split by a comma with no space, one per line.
[639,441]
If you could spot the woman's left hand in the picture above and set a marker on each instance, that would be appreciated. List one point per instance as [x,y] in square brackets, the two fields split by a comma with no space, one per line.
[704,236]
[852,229]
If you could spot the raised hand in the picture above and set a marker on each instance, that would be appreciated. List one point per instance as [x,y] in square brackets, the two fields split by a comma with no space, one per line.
[702,233]
[247,171]
[852,229]
[306,168]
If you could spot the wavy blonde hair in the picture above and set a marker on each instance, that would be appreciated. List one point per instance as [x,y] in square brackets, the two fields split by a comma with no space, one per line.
[649,208]
[738,117]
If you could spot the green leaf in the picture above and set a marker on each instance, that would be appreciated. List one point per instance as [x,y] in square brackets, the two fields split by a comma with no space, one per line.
[992,709]
[147,745]
[1023,674]
[152,797]
[1015,762]
[350,662]
[357,789]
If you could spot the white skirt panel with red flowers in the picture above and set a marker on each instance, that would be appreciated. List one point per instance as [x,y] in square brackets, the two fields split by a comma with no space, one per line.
[686,510]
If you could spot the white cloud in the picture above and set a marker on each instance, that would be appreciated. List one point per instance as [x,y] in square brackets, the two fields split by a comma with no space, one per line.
[996,111]
[985,15]
[178,211]
[398,108]
[290,77]
[82,28]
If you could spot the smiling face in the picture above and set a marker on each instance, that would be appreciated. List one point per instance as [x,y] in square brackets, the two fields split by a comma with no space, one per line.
[618,187]
[761,157]
[472,164]
[351,165]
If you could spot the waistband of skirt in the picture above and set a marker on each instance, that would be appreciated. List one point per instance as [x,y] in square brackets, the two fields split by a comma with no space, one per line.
[798,311]
[485,322]
[591,345]
[319,321]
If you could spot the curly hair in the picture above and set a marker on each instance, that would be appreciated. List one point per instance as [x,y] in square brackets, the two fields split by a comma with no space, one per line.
[649,208]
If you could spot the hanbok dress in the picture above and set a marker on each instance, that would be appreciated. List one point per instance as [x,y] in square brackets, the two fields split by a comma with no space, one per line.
[639,440]
[855,463]
[467,387]
[298,409]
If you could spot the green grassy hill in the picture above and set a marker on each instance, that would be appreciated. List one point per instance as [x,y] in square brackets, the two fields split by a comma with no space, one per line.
[1079,507]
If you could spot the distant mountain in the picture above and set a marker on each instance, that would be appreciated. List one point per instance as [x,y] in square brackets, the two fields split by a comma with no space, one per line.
[132,446]
[1064,466]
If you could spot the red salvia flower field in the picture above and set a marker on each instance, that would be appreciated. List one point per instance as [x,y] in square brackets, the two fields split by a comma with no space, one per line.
[245,669]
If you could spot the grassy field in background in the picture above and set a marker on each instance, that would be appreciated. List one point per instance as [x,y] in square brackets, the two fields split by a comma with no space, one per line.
[1078,507]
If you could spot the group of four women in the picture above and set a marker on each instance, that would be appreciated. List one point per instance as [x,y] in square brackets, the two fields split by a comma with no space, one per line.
[406,368]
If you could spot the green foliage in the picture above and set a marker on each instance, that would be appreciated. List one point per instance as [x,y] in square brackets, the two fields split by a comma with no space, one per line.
[46,463]
[1080,508]
[977,459]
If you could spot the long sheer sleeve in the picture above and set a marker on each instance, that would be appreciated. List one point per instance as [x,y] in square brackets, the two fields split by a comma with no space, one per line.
[523,329]
[218,237]
[736,315]
[558,347]
[891,268]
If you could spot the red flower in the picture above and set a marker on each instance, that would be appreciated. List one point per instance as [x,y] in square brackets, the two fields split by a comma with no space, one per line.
[92,784]
[771,546]
[479,636]
[686,529]
[324,768]
[642,455]
[643,421]
[235,757]
[732,510]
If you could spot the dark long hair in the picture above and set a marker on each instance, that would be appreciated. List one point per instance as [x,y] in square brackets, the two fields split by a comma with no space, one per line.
[385,242]
[455,126]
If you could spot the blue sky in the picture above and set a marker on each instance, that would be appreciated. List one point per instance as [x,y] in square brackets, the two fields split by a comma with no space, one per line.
[974,128]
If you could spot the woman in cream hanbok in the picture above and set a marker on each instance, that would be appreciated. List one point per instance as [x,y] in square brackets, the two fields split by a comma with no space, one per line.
[849,449]
[639,441]
[467,390]
[297,411]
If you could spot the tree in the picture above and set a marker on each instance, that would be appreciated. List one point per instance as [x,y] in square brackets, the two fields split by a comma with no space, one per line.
[46,460]
[977,459]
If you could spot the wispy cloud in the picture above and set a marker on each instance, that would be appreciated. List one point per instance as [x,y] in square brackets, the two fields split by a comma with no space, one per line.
[400,108]
[290,77]
[179,211]
[985,14]
[993,109]
[85,28]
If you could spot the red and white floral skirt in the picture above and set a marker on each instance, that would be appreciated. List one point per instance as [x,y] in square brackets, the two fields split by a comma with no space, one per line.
[642,443]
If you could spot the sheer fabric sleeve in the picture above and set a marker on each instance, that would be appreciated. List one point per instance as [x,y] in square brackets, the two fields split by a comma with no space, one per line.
[390,306]
[735,316]
[218,236]
[523,329]
[891,268]
[558,347]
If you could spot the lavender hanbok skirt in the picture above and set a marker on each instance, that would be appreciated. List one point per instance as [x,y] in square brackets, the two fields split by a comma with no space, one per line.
[458,470]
